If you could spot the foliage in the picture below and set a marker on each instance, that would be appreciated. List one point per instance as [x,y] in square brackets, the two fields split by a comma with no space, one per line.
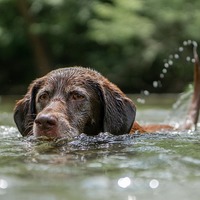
[125,40]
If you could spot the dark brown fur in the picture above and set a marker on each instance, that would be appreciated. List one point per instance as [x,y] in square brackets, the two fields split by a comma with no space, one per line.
[70,101]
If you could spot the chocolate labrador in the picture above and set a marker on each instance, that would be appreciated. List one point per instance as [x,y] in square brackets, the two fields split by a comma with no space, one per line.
[74,100]
[70,101]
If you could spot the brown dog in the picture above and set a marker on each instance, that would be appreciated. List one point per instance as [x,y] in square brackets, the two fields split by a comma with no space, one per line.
[70,101]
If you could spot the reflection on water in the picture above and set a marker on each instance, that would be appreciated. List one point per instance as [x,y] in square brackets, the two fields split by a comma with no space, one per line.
[100,167]
[130,167]
[124,182]
[153,183]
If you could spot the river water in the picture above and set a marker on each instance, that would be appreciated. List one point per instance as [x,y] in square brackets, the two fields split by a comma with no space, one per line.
[159,166]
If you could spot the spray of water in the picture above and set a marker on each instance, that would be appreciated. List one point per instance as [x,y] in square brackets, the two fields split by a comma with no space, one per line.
[168,63]
[180,108]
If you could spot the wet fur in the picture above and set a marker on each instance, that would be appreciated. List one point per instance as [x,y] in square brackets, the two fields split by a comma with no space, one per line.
[102,108]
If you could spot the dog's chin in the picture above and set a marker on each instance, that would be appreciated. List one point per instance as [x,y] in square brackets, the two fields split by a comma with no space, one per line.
[47,134]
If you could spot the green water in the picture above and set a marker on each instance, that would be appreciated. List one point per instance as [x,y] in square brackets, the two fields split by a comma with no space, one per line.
[152,166]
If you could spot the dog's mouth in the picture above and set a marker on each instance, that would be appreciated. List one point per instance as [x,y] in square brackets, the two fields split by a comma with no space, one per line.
[52,133]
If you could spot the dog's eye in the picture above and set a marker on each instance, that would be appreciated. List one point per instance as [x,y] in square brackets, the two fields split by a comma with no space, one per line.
[44,97]
[77,96]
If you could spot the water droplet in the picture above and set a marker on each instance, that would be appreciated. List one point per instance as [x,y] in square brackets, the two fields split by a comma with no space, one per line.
[185,43]
[194,43]
[181,49]
[146,92]
[140,100]
[170,62]
[154,183]
[155,84]
[188,58]
[166,65]
[193,60]
[176,56]
[164,71]
[124,182]
[162,75]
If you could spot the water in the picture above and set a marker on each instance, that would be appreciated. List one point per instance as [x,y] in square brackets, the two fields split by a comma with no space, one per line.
[169,63]
[130,167]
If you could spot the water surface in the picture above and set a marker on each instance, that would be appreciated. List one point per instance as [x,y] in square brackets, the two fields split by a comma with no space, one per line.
[129,167]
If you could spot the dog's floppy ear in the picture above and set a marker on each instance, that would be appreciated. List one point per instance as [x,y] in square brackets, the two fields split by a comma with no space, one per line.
[119,110]
[24,111]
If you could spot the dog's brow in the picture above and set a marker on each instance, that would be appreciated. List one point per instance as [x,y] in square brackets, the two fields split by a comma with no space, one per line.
[76,89]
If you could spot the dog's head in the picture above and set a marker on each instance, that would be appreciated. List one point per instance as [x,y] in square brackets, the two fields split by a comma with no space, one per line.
[70,101]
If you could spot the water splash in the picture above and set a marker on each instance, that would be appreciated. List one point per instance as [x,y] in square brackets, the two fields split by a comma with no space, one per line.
[180,108]
[168,63]
[173,57]
[103,140]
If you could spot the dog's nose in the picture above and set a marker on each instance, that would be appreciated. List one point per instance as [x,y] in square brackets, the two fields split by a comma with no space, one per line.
[46,121]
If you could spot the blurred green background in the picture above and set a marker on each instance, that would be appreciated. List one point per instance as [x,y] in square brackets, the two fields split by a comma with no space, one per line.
[128,41]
